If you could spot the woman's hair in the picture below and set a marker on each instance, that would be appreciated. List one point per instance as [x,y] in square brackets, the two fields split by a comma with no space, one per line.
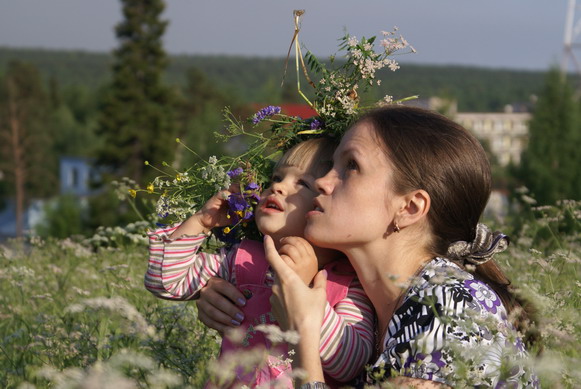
[313,155]
[431,152]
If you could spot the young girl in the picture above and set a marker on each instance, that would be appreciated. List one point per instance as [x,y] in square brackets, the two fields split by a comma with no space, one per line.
[178,271]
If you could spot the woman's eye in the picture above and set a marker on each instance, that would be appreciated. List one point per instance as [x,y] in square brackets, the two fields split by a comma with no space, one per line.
[305,184]
[352,165]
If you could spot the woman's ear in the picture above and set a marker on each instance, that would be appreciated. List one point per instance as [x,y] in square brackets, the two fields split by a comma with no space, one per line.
[415,207]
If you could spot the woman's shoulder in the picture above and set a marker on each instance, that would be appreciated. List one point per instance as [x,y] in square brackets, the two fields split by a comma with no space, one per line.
[450,322]
[454,291]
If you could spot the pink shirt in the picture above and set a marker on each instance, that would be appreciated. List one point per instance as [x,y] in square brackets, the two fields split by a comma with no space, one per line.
[177,270]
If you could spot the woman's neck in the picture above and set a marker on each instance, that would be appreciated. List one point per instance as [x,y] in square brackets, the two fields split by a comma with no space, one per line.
[384,269]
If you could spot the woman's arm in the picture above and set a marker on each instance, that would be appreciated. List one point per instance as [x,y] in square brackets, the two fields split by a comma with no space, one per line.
[299,308]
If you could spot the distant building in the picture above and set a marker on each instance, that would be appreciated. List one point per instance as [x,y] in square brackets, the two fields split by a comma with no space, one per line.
[505,132]
[33,215]
[75,176]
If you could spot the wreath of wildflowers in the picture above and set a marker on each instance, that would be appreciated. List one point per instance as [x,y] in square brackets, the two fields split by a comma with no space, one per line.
[337,86]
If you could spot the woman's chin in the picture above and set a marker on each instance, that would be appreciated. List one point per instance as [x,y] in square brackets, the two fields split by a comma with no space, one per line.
[317,238]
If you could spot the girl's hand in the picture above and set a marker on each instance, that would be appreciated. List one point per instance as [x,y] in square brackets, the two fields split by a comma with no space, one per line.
[213,214]
[216,307]
[300,256]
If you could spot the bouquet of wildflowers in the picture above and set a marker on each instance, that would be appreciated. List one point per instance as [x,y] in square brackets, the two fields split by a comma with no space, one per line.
[271,132]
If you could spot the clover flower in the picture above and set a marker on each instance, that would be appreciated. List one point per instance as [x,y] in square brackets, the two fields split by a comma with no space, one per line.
[265,113]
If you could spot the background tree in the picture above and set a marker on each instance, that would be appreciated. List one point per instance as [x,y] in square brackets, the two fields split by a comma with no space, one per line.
[550,164]
[137,116]
[199,116]
[26,157]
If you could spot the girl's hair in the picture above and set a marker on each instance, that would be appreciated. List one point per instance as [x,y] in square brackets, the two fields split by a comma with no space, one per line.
[431,152]
[313,155]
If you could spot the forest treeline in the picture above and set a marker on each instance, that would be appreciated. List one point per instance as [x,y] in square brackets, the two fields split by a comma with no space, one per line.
[119,110]
[258,79]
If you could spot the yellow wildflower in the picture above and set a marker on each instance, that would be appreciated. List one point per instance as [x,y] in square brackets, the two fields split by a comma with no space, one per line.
[132,193]
[150,188]
[227,230]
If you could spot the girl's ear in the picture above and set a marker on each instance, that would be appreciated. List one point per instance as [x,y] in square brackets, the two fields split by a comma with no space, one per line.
[415,207]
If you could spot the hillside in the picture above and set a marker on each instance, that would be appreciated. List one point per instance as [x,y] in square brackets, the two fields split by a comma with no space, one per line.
[255,78]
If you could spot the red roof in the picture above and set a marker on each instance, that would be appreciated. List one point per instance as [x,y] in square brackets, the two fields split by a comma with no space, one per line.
[303,110]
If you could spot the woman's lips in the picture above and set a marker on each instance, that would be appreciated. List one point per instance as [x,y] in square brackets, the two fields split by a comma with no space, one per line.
[317,209]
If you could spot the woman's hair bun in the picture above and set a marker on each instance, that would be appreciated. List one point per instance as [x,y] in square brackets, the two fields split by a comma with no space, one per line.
[482,249]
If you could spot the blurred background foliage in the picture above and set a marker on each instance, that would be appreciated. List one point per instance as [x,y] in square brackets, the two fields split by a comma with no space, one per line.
[120,109]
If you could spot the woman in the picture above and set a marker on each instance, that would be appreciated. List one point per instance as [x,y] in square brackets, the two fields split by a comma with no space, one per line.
[403,201]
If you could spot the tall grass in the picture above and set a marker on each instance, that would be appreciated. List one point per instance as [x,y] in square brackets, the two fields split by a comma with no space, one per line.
[70,315]
[73,315]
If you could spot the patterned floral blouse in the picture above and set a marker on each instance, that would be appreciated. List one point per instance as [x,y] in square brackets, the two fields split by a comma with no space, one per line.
[453,329]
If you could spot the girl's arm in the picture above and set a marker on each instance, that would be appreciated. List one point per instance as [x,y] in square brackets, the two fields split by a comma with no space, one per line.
[347,335]
[299,308]
[176,270]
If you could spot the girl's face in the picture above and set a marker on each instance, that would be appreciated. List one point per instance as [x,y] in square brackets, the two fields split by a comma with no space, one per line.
[283,206]
[356,204]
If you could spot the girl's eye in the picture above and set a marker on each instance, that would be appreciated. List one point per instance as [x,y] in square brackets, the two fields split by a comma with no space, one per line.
[275,178]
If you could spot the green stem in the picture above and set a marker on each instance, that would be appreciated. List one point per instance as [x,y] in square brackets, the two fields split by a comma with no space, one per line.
[132,202]
[159,170]
[103,324]
[297,54]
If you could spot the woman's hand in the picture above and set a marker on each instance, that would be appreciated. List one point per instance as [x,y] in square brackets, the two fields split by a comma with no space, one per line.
[216,307]
[300,308]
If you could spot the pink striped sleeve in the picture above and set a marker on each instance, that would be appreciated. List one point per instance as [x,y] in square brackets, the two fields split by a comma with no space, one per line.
[347,335]
[177,270]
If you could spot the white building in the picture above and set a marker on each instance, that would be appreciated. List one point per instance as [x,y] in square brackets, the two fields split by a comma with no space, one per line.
[505,132]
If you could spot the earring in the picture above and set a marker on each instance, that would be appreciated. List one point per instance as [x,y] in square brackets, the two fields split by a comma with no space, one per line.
[395,227]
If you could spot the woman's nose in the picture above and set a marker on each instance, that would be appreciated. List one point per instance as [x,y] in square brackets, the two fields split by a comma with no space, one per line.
[325,184]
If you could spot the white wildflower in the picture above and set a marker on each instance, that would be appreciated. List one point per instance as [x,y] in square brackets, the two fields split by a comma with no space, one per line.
[276,335]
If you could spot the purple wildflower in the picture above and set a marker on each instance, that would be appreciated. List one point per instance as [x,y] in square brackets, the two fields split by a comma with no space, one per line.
[264,113]
[315,124]
[236,202]
[234,173]
[252,186]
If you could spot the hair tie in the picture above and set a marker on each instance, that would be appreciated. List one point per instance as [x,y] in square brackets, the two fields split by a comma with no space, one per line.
[481,250]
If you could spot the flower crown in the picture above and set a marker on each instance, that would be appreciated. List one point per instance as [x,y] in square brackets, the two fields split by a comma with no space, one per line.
[337,87]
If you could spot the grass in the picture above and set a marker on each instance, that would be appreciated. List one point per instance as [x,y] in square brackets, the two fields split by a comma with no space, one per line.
[75,316]
[71,315]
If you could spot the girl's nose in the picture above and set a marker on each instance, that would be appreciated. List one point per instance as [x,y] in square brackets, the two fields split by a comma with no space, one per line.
[326,184]
[278,187]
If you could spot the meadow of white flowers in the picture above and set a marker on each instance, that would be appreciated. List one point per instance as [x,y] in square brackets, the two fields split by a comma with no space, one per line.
[74,313]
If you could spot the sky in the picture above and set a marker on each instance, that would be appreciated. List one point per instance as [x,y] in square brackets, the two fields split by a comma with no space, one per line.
[514,34]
